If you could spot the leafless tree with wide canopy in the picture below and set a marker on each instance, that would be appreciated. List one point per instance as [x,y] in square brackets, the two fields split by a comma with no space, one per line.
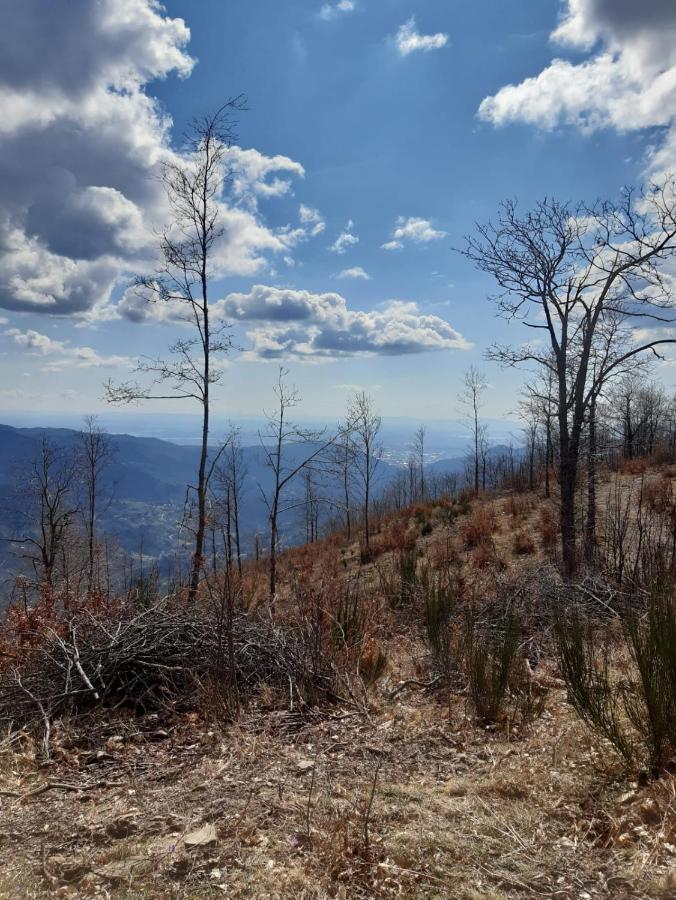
[567,272]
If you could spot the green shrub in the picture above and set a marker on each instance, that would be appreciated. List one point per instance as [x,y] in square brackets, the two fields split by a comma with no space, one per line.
[350,618]
[651,702]
[636,713]
[464,504]
[490,657]
[440,598]
[585,667]
[399,582]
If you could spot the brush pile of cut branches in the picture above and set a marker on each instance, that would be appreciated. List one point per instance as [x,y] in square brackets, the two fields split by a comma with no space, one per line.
[158,657]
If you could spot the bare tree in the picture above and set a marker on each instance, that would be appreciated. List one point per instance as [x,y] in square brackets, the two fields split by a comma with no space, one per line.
[564,271]
[276,440]
[194,187]
[411,490]
[419,452]
[530,415]
[637,408]
[94,455]
[342,463]
[365,424]
[236,473]
[227,487]
[472,398]
[49,509]
[312,505]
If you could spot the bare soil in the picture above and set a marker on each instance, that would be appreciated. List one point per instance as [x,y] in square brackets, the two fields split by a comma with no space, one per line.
[404,802]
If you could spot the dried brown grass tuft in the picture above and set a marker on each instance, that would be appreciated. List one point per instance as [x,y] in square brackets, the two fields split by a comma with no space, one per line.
[523,543]
[634,466]
[480,528]
[548,526]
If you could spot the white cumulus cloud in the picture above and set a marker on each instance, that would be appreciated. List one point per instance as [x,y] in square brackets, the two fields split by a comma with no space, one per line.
[81,146]
[355,272]
[312,218]
[409,40]
[412,230]
[330,11]
[62,354]
[252,171]
[627,81]
[346,239]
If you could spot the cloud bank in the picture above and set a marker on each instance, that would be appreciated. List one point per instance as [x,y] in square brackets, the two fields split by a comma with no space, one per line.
[297,324]
[61,354]
[627,82]
[80,142]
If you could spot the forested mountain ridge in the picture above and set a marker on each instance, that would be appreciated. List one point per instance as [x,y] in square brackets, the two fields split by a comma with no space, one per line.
[144,488]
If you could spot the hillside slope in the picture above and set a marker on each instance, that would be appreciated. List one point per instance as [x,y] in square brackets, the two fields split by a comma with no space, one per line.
[393,789]
[146,483]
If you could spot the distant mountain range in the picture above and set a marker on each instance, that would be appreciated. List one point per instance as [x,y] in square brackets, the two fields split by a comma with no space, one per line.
[146,481]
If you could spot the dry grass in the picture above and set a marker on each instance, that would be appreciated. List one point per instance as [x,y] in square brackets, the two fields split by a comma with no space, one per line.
[457,811]
[634,466]
[518,505]
[479,529]
[523,543]
[548,526]
[393,791]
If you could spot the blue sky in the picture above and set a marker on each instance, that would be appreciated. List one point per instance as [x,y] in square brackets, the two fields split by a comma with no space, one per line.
[366,114]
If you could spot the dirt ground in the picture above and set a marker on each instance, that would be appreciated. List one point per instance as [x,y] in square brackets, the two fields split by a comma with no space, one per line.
[404,802]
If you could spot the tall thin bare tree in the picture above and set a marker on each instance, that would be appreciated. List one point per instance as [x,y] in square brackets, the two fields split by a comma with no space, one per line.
[276,440]
[195,186]
[419,451]
[365,425]
[342,465]
[94,455]
[474,386]
[49,508]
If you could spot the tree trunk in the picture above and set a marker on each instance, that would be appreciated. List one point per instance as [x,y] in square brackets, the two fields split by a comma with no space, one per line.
[367,491]
[348,518]
[568,453]
[476,451]
[228,529]
[273,554]
[238,546]
[198,555]
[590,524]
[548,457]
[90,538]
[567,519]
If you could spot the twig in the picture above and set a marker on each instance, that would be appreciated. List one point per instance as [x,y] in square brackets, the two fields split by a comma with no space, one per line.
[51,879]
[65,786]
[309,796]
[78,665]
[367,813]
[413,682]
[45,717]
